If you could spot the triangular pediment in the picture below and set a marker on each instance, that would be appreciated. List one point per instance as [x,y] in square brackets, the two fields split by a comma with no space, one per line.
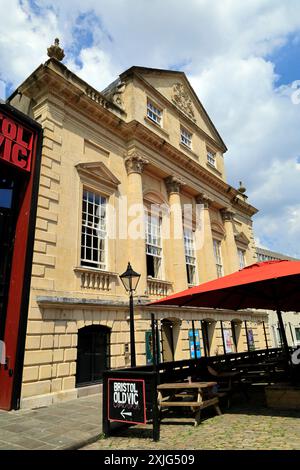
[241,238]
[175,86]
[99,173]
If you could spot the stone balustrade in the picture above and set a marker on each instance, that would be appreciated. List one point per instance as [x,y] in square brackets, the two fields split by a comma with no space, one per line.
[95,279]
[159,288]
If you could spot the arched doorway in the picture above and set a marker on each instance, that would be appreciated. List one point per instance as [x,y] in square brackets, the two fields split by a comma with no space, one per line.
[236,327]
[93,354]
[170,328]
[208,332]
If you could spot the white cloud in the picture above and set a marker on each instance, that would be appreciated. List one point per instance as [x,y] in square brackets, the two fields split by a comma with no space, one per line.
[24,37]
[223,46]
[96,68]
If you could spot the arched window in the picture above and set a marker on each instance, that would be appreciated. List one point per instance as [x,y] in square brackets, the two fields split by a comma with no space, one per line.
[93,354]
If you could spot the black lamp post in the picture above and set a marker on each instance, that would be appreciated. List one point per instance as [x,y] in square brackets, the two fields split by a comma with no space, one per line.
[130,280]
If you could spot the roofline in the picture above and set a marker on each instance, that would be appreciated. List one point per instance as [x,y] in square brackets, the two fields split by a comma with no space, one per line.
[274,254]
[64,69]
[135,70]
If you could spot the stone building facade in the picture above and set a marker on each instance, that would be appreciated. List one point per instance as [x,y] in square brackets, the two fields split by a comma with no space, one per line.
[291,319]
[145,140]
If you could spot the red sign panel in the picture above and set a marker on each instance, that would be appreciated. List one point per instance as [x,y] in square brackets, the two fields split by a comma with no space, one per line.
[20,149]
[16,143]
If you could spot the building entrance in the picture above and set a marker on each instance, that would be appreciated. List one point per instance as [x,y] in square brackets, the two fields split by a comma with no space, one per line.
[92,354]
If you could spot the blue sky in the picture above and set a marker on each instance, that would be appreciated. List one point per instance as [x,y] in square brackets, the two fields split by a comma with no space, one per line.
[287,61]
[242,59]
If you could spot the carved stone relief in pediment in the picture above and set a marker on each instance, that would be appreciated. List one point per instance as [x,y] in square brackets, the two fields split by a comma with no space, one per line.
[182,100]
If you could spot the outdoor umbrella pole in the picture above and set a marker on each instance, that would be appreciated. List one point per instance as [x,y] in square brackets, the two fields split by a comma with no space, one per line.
[283,336]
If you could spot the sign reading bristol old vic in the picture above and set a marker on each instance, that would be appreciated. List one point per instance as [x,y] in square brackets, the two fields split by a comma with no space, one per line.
[127,401]
[16,143]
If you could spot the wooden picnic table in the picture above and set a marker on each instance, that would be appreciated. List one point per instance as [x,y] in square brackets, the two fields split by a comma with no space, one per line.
[196,395]
[253,372]
[259,366]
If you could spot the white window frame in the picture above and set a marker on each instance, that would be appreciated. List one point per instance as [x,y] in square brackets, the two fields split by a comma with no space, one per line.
[154,113]
[185,137]
[153,225]
[211,157]
[218,257]
[241,257]
[190,257]
[297,340]
[93,220]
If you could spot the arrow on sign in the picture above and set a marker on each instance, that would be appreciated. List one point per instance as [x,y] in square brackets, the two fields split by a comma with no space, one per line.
[123,413]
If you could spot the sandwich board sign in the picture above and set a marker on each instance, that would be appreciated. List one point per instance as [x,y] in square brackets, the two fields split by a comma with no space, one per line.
[127,401]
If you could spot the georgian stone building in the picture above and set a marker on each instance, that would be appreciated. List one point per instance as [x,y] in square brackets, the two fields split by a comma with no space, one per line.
[145,140]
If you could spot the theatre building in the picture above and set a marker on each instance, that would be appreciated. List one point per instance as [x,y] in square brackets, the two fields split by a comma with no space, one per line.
[144,141]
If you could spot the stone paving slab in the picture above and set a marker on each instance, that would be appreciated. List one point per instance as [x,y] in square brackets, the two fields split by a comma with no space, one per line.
[62,426]
[247,425]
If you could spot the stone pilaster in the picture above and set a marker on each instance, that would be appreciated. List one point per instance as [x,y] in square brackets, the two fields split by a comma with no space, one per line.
[231,263]
[135,164]
[178,271]
[204,242]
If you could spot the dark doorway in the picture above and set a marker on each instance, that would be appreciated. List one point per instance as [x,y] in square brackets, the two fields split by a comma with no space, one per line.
[170,329]
[93,356]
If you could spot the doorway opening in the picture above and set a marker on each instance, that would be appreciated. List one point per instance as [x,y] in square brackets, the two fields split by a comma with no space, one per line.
[93,354]
[170,329]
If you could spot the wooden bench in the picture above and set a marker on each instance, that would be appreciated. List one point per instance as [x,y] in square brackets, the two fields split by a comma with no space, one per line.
[195,395]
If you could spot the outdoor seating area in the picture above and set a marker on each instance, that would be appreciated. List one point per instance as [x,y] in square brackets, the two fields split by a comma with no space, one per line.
[208,381]
[216,381]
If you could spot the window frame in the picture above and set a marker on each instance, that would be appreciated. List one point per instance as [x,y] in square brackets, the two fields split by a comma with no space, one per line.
[149,217]
[297,330]
[156,112]
[189,251]
[241,251]
[186,137]
[218,257]
[84,262]
[211,157]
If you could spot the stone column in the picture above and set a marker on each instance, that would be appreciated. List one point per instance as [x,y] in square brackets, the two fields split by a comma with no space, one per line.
[231,262]
[177,260]
[204,243]
[136,246]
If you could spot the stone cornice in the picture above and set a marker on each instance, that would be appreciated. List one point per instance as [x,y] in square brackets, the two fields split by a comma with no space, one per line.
[53,78]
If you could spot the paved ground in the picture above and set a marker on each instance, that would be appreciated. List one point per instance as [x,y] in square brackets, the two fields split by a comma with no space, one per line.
[67,425]
[70,425]
[246,426]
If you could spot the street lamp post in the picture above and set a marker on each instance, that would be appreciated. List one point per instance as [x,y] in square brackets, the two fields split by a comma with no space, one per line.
[130,280]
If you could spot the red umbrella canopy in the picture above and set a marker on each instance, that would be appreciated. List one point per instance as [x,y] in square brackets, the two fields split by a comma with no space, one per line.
[271,285]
